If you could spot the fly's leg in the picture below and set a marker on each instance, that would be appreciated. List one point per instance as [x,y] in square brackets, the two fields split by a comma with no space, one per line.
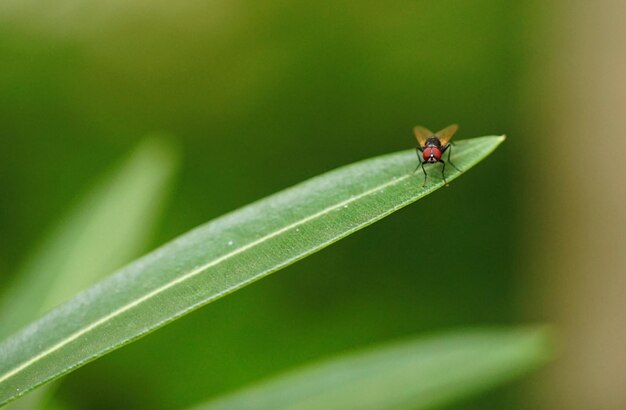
[449,148]
[421,164]
[443,170]
[419,158]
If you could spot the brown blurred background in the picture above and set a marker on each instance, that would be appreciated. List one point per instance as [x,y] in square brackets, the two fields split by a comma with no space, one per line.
[576,216]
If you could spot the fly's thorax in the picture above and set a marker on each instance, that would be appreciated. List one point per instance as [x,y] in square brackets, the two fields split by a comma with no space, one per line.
[433,142]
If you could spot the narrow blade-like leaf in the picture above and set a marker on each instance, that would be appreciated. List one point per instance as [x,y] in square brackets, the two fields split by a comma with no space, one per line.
[216,259]
[420,373]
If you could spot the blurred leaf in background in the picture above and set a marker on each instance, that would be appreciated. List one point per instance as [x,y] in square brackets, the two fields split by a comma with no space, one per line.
[419,373]
[111,224]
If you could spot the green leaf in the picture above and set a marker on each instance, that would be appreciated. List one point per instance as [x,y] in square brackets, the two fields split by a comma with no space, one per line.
[110,225]
[216,259]
[420,373]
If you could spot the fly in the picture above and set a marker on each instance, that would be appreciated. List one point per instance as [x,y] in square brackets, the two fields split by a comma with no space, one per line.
[431,147]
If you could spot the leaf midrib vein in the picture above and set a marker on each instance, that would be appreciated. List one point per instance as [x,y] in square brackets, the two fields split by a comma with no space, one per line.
[59,345]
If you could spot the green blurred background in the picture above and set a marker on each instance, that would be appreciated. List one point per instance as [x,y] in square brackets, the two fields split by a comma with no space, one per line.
[259,96]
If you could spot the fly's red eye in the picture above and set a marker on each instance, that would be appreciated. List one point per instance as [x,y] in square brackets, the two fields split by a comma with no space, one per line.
[436,153]
[426,153]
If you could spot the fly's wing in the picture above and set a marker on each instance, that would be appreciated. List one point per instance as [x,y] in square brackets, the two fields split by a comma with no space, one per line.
[422,134]
[445,135]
